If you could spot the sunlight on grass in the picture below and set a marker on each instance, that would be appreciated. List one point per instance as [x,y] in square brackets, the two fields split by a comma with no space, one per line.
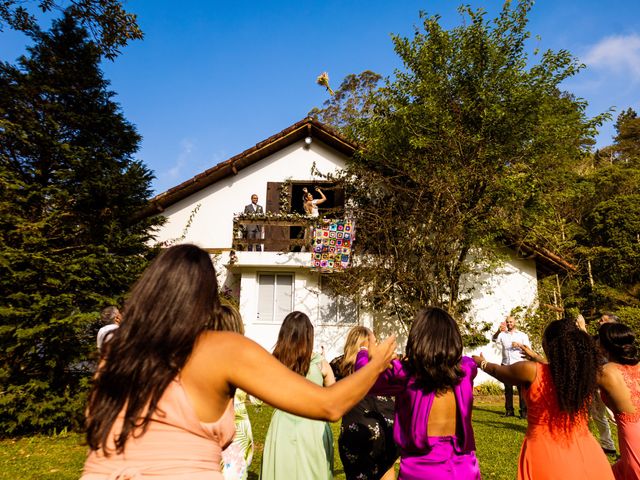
[61,457]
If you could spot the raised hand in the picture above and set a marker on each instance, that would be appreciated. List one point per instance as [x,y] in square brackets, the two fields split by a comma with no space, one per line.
[383,352]
[478,359]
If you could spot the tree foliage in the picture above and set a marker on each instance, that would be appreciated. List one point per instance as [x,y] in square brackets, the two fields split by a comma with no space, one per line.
[69,186]
[455,149]
[111,26]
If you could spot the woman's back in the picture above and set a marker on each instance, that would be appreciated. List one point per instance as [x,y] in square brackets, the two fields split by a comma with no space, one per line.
[176,444]
[544,413]
[443,416]
[555,445]
[296,447]
[623,396]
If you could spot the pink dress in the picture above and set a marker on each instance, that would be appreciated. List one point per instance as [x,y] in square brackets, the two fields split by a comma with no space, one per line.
[628,467]
[176,445]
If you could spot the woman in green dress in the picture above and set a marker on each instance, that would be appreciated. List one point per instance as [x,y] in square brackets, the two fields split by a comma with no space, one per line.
[297,447]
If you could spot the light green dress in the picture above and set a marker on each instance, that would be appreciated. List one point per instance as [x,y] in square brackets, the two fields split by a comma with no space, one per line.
[296,447]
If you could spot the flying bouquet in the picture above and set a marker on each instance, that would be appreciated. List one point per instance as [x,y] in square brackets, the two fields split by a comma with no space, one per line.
[323,80]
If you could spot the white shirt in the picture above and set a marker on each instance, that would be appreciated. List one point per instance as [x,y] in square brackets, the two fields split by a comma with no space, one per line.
[104,334]
[510,354]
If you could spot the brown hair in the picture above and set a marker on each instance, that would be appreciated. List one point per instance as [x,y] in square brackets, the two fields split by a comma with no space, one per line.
[355,339]
[295,343]
[108,314]
[230,319]
[173,302]
[434,350]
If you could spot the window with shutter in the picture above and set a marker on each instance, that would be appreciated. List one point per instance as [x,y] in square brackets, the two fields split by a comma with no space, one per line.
[275,297]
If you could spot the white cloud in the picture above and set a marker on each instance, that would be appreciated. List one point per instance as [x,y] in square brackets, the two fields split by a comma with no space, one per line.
[619,53]
[186,147]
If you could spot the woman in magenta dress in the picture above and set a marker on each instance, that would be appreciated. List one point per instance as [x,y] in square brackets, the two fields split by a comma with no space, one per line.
[620,386]
[433,386]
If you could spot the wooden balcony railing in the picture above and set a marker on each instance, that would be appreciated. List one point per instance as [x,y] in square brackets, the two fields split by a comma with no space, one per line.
[280,232]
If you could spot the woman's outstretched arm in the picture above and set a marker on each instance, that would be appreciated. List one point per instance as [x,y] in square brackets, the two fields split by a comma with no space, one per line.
[521,373]
[222,361]
[322,198]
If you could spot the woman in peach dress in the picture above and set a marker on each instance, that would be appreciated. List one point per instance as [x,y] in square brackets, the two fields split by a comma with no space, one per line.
[161,405]
[620,387]
[558,443]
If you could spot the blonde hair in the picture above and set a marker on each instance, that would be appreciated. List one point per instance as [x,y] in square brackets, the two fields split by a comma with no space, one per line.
[230,319]
[355,339]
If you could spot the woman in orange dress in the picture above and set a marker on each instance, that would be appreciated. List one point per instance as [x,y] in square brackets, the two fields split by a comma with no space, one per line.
[558,443]
[620,387]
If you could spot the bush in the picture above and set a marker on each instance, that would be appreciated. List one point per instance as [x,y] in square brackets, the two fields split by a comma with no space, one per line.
[488,388]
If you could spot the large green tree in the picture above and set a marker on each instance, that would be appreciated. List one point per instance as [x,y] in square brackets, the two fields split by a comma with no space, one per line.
[456,148]
[111,26]
[69,188]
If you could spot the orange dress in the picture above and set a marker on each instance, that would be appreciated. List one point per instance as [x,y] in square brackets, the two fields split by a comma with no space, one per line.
[628,467]
[176,445]
[554,448]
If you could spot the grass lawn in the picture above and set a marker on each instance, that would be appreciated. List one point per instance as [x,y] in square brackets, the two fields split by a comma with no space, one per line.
[61,457]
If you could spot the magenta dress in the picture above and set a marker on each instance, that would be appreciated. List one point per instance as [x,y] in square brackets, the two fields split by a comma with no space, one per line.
[422,456]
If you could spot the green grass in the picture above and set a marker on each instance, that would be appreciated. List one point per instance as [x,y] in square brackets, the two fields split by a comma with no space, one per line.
[61,457]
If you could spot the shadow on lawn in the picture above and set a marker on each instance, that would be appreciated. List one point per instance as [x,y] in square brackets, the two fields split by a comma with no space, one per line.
[513,423]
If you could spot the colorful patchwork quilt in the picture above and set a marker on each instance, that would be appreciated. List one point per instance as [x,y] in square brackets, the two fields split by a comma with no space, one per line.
[332,243]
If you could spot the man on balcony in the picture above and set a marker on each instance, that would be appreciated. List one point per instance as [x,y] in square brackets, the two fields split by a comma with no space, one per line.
[254,232]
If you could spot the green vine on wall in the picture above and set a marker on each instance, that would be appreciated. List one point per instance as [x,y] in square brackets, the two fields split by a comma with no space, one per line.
[185,230]
[284,201]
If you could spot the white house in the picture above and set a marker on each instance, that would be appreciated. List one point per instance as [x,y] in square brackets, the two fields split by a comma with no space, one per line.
[273,282]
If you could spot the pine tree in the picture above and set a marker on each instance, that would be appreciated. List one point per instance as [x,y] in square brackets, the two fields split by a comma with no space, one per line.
[69,186]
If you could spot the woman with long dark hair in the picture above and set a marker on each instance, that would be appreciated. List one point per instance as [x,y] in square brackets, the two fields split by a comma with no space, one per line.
[162,399]
[366,445]
[297,447]
[620,386]
[558,443]
[433,386]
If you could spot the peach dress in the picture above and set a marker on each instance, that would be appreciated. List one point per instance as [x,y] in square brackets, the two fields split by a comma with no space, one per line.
[176,445]
[554,447]
[628,467]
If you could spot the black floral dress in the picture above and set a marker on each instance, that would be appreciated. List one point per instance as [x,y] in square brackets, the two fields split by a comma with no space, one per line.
[366,445]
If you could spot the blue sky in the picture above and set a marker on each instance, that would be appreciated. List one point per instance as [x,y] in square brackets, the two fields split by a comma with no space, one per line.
[213,78]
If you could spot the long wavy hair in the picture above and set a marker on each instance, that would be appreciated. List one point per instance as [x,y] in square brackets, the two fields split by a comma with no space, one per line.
[574,366]
[434,350]
[173,302]
[355,339]
[230,319]
[295,343]
[619,341]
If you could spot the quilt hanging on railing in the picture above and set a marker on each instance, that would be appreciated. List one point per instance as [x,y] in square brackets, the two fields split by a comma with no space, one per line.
[332,244]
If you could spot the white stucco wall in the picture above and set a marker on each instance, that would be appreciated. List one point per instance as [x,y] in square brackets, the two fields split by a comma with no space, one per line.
[212,226]
[514,284]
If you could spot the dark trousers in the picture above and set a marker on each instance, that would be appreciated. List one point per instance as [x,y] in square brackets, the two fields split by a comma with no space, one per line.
[255,239]
[508,400]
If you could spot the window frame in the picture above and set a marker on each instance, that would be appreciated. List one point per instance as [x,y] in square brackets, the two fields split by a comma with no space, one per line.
[274,296]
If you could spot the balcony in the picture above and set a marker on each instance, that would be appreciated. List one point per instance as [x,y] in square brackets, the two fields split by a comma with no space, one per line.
[281,232]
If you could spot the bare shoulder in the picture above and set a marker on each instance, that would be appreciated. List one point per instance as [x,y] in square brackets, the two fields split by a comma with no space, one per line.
[610,378]
[526,370]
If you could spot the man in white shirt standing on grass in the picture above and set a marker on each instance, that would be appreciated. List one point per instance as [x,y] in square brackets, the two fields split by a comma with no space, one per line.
[509,338]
